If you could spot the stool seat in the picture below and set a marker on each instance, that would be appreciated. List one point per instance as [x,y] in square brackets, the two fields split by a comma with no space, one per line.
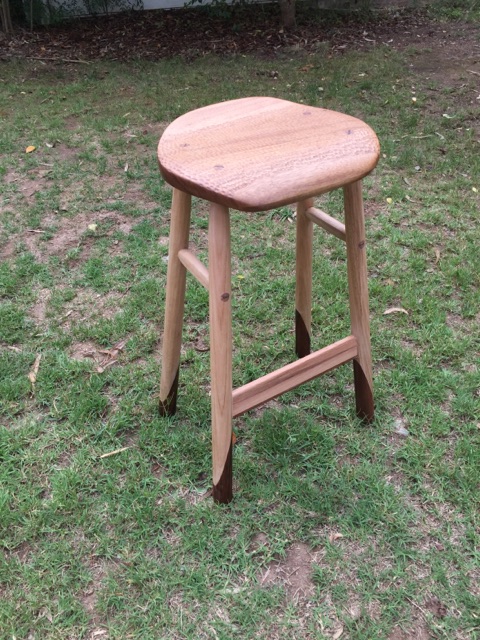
[259,153]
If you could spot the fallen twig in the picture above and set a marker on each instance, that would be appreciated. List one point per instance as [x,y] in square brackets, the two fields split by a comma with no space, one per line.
[112,453]
[32,375]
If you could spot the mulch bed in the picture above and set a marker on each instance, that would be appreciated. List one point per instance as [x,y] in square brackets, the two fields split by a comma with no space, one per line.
[191,33]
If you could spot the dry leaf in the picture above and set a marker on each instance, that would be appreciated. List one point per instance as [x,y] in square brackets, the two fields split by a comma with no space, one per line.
[335,536]
[32,376]
[30,148]
[92,227]
[437,255]
[111,356]
[395,310]
[338,633]
[105,366]
[113,352]
[201,346]
[125,168]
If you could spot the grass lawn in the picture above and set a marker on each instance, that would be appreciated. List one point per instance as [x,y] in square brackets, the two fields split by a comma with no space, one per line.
[337,530]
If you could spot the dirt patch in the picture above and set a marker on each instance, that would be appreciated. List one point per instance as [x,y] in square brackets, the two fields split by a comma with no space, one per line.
[62,152]
[259,541]
[11,176]
[293,573]
[30,184]
[136,195]
[88,305]
[27,239]
[447,53]
[31,187]
[71,123]
[436,608]
[83,351]
[71,233]
[416,630]
[102,358]
[39,309]
[89,597]
[22,552]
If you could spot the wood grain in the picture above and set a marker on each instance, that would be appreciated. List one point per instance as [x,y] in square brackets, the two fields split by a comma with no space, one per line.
[327,223]
[254,154]
[219,269]
[194,266]
[358,297]
[292,375]
[303,279]
[175,300]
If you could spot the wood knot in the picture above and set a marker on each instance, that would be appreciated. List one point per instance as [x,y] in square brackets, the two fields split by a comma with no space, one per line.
[361,244]
[224,297]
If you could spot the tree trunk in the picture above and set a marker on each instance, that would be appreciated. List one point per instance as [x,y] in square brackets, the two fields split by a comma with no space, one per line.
[5,17]
[287,11]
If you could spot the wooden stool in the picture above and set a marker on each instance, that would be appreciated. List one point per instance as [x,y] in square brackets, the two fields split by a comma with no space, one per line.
[256,154]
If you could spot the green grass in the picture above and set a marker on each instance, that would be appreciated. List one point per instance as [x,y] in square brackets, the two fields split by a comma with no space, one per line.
[131,545]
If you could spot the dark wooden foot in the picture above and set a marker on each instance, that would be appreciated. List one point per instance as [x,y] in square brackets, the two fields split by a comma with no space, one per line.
[222,491]
[168,407]
[363,394]
[302,336]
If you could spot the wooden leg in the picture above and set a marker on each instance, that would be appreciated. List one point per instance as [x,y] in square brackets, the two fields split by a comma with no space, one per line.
[219,268]
[303,291]
[174,304]
[358,293]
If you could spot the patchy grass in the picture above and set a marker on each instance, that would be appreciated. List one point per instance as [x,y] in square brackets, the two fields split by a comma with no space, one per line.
[337,530]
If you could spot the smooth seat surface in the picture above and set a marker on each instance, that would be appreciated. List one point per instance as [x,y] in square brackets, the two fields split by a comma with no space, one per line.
[255,154]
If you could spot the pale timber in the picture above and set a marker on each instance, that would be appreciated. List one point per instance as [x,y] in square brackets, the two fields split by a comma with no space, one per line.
[325,221]
[194,266]
[219,264]
[358,297]
[255,154]
[303,279]
[292,375]
[175,300]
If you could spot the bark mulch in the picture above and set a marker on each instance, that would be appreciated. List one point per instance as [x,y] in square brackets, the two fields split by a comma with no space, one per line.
[191,33]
